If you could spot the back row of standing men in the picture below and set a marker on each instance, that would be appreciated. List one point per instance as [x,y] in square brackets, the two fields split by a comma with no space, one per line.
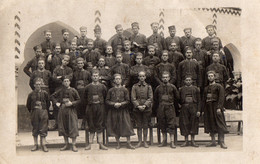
[76,60]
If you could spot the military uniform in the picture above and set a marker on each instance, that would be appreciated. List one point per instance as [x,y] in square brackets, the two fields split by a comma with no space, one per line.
[47,44]
[221,73]
[175,39]
[45,75]
[202,58]
[175,58]
[162,67]
[134,71]
[207,42]
[92,56]
[110,61]
[157,38]
[123,69]
[64,72]
[141,40]
[117,43]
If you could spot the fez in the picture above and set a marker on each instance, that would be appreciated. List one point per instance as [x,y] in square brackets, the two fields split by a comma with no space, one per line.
[38,47]
[64,30]
[171,27]
[118,26]
[135,24]
[83,28]
[187,29]
[155,23]
[209,26]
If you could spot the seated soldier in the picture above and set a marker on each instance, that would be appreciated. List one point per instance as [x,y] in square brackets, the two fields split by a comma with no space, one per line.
[66,43]
[128,55]
[175,57]
[99,43]
[91,56]
[139,41]
[104,77]
[110,60]
[74,54]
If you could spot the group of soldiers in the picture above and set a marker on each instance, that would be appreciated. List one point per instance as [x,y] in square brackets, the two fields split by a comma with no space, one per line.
[121,84]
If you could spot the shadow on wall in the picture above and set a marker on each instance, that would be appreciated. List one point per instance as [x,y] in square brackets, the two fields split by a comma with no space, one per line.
[37,38]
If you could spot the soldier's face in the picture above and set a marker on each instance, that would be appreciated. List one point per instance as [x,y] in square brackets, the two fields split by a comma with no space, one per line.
[211,77]
[127,46]
[90,45]
[142,76]
[83,32]
[98,34]
[48,35]
[188,54]
[151,51]
[165,78]
[66,82]
[37,85]
[41,64]
[172,32]
[155,28]
[198,45]
[188,81]
[210,31]
[118,80]
[173,46]
[165,57]
[80,64]
[187,33]
[139,59]
[119,31]
[135,30]
[95,77]
[38,52]
[65,35]
[65,61]
[215,45]
[109,50]
[73,45]
[119,58]
[57,49]
[101,62]
[215,57]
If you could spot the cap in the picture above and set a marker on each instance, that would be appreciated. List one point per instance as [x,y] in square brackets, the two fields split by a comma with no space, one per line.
[197,39]
[209,26]
[64,30]
[65,56]
[211,72]
[38,47]
[155,23]
[135,24]
[83,28]
[79,59]
[172,27]
[117,74]
[187,48]
[45,31]
[97,29]
[214,40]
[151,46]
[118,26]
[188,28]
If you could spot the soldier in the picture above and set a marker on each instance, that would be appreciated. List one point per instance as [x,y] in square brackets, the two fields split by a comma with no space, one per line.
[128,55]
[104,76]
[48,44]
[91,56]
[54,59]
[66,99]
[173,38]
[165,66]
[118,117]
[95,94]
[166,94]
[139,41]
[156,37]
[175,57]
[207,41]
[110,60]
[74,54]
[99,43]
[190,111]
[32,64]
[213,111]
[82,41]
[187,40]
[216,49]
[221,75]
[188,67]
[118,41]
[65,44]
[38,102]
[142,98]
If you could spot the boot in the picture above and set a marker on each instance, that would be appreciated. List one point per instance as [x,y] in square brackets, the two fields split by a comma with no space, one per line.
[186,142]
[101,146]
[88,147]
[74,148]
[213,141]
[222,143]
[139,134]
[193,143]
[118,143]
[129,145]
[66,147]
[34,148]
[43,141]
[145,131]
[172,145]
[164,142]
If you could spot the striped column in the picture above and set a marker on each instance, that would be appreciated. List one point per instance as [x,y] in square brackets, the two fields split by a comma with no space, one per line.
[97,18]
[161,22]
[214,22]
[17,28]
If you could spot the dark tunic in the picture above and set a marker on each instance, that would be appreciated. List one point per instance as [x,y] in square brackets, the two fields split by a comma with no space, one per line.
[65,72]
[175,39]
[82,41]
[222,56]
[191,68]
[187,42]
[221,73]
[67,116]
[73,59]
[202,58]
[92,56]
[175,58]
[134,71]
[39,117]
[207,43]
[110,61]
[142,94]
[47,44]
[100,45]
[45,75]
[141,40]
[95,110]
[151,62]
[162,67]
[117,43]
[166,95]
[55,61]
[157,38]
[122,69]
[118,119]
[128,58]
[190,105]
[213,99]
[31,65]
[65,44]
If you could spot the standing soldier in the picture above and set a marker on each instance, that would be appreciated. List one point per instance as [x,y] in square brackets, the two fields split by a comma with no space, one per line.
[67,99]
[91,56]
[213,111]
[104,76]
[128,55]
[74,54]
[38,102]
[48,44]
[189,67]
[33,63]
[156,38]
[216,49]
[82,41]
[54,59]
[118,42]
[207,41]
[173,38]
[95,94]
[142,98]
[65,44]
[187,40]
[109,58]
[190,111]
[166,94]
[175,56]
[139,41]
[99,43]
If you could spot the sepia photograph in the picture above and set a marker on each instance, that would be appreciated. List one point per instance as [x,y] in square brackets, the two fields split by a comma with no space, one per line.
[128,81]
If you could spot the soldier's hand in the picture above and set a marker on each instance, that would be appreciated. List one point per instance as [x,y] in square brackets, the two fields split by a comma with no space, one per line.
[85,51]
[58,104]
[198,114]
[49,59]
[218,111]
[202,113]
[208,53]
[68,104]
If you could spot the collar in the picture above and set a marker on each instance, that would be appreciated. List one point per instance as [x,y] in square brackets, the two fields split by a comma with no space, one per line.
[214,35]
[142,84]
